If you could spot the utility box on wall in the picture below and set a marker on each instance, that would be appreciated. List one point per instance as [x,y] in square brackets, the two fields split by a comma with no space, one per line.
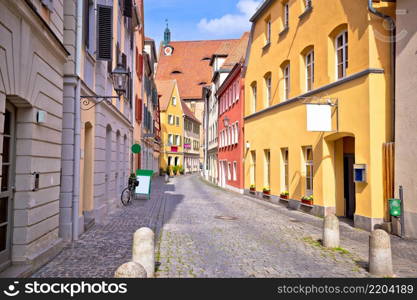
[359,173]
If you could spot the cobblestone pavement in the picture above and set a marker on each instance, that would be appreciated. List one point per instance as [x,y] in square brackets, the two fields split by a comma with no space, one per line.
[264,240]
[103,248]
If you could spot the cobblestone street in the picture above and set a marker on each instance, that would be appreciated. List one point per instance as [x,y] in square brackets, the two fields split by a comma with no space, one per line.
[256,239]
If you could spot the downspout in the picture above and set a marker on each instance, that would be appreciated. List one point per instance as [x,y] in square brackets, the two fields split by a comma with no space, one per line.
[77,125]
[392,29]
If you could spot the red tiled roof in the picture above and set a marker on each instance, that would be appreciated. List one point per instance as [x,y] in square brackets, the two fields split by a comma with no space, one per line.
[148,39]
[239,52]
[188,113]
[165,88]
[188,59]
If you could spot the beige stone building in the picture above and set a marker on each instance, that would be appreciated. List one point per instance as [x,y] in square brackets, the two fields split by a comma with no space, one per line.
[32,57]
[406,111]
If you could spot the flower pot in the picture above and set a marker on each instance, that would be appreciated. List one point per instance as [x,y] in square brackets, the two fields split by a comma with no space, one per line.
[268,193]
[284,197]
[308,202]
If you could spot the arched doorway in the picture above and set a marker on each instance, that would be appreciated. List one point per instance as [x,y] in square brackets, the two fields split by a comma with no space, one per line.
[118,167]
[348,179]
[343,145]
[108,161]
[88,179]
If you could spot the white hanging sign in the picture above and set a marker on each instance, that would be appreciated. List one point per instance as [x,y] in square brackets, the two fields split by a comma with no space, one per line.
[319,118]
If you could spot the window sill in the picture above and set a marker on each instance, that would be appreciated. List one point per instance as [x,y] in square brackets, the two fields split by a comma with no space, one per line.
[284,31]
[306,12]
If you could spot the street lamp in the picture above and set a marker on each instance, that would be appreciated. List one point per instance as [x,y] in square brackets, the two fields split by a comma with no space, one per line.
[120,78]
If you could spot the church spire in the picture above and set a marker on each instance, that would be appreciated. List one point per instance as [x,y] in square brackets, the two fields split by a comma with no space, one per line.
[167,35]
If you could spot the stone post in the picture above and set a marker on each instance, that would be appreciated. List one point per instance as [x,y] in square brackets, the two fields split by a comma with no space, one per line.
[380,259]
[143,251]
[130,270]
[331,238]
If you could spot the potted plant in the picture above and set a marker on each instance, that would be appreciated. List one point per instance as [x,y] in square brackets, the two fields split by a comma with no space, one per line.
[284,195]
[252,188]
[309,200]
[175,170]
[181,170]
[267,191]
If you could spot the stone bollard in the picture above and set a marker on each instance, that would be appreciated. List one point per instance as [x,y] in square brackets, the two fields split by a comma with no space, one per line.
[380,259]
[143,251]
[331,237]
[130,270]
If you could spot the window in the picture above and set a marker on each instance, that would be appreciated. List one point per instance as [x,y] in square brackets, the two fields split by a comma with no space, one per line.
[309,70]
[253,168]
[232,133]
[87,22]
[308,157]
[174,101]
[268,90]
[285,157]
[287,82]
[177,121]
[237,133]
[237,90]
[229,175]
[170,139]
[341,54]
[178,140]
[170,119]
[267,169]
[254,97]
[268,31]
[234,171]
[286,15]
[104,28]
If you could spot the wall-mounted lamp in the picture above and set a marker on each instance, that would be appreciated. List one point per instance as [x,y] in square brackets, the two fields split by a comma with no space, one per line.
[120,79]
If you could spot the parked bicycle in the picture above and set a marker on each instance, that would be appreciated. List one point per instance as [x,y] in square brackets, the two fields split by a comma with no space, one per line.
[129,193]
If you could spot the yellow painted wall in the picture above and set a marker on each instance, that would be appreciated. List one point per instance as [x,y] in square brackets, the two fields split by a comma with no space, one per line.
[167,129]
[363,103]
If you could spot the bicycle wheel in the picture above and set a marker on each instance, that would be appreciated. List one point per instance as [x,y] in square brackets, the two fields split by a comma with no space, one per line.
[125,197]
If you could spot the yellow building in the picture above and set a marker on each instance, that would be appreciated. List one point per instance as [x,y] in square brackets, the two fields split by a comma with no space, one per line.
[319,52]
[172,127]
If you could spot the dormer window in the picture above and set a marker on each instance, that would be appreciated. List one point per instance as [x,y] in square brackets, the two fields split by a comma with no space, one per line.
[176,72]
[202,83]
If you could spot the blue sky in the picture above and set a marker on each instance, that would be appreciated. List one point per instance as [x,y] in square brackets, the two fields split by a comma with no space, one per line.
[198,19]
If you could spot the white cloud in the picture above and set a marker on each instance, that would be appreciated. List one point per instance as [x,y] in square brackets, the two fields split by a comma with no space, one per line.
[231,23]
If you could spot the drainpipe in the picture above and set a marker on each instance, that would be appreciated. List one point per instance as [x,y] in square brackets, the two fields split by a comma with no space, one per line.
[77,124]
[392,29]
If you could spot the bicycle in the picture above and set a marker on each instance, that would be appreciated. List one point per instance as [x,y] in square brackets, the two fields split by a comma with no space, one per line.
[129,193]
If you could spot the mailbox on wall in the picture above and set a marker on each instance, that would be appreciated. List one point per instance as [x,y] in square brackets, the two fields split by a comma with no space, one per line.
[359,173]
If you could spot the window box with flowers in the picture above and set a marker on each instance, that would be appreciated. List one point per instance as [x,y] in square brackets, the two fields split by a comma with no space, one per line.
[309,200]
[267,191]
[284,195]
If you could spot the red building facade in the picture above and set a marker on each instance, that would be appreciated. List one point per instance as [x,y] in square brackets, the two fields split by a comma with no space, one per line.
[230,126]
